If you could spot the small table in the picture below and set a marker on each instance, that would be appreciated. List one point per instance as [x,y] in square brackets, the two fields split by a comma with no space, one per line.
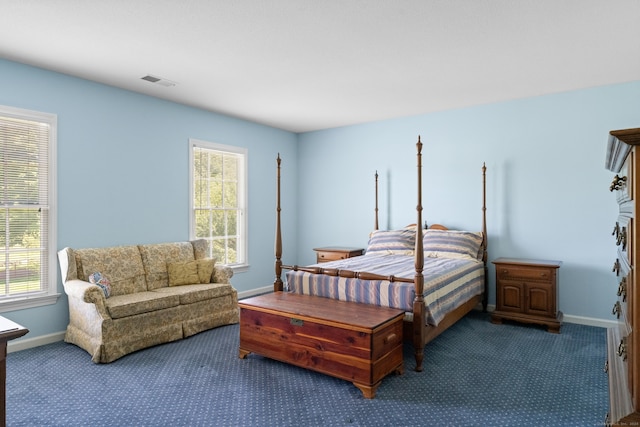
[8,330]
[333,253]
[360,343]
[527,291]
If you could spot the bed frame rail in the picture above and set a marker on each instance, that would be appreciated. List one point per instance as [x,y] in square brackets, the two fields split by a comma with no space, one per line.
[350,274]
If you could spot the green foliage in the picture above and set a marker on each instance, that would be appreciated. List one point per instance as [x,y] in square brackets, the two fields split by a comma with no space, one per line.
[216,202]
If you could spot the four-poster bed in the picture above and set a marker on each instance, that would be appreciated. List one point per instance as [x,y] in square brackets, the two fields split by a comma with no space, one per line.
[392,271]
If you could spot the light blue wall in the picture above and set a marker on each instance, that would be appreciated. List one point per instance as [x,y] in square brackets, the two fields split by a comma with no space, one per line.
[123,172]
[123,178]
[547,188]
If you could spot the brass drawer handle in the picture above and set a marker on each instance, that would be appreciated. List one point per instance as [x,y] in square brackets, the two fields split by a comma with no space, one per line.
[622,238]
[617,183]
[617,309]
[622,349]
[622,289]
[616,267]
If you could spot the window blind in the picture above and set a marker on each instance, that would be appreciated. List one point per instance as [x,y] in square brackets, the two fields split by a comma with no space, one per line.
[24,206]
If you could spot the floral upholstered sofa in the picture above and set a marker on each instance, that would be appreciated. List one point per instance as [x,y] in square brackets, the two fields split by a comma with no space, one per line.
[147,295]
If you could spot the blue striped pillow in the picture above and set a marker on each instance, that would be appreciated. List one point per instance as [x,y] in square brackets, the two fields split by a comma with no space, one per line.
[397,242]
[451,244]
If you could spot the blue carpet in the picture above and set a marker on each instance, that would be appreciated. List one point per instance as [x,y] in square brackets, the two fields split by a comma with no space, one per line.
[476,374]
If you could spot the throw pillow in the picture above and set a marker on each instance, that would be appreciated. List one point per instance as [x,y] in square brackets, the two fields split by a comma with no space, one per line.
[99,280]
[396,242]
[452,244]
[183,273]
[205,269]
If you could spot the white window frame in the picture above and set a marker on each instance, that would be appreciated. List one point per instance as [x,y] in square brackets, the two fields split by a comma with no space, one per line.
[243,239]
[50,293]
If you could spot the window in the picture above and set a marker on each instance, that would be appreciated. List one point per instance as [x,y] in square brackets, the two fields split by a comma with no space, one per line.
[28,273]
[218,211]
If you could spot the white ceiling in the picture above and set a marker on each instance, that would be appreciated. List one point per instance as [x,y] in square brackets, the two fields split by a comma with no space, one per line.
[305,65]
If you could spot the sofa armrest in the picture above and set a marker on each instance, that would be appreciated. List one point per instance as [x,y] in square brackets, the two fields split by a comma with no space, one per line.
[88,293]
[222,274]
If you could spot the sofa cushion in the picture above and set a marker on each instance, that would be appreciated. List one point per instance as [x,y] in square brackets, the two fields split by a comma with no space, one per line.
[140,302]
[190,294]
[155,258]
[122,265]
[205,270]
[183,273]
[200,248]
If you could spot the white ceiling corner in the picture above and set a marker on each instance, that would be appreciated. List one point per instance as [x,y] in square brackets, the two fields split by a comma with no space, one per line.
[304,65]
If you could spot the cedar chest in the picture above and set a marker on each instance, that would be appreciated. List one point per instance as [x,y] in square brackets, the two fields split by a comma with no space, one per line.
[356,342]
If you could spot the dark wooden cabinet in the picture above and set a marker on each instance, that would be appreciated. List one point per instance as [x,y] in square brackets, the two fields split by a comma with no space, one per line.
[335,253]
[8,331]
[527,291]
[623,354]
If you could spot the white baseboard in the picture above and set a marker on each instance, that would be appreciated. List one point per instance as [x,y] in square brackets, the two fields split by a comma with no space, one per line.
[257,291]
[590,321]
[579,320]
[26,343]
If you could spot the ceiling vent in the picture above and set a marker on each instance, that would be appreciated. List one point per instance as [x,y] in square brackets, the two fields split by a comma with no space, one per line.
[159,80]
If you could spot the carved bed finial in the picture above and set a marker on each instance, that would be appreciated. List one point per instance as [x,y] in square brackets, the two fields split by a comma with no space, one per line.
[278,285]
[376,221]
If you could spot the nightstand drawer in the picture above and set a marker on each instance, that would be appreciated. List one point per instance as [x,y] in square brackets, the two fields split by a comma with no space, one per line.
[538,274]
[336,253]
[330,256]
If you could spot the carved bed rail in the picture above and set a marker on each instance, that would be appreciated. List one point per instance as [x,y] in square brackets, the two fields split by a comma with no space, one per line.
[336,272]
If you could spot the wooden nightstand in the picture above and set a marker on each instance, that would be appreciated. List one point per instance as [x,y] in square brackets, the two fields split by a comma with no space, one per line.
[334,253]
[527,291]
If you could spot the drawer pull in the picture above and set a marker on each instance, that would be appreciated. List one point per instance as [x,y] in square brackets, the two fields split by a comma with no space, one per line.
[622,289]
[617,183]
[616,267]
[391,338]
[617,309]
[622,349]
[622,238]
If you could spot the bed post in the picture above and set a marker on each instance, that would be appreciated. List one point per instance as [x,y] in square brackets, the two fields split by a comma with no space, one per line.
[418,302]
[485,242]
[376,223]
[277,284]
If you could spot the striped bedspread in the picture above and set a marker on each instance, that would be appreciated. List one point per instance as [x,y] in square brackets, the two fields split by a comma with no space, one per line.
[448,283]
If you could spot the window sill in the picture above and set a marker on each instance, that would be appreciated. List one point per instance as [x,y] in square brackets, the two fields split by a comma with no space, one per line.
[28,302]
[239,268]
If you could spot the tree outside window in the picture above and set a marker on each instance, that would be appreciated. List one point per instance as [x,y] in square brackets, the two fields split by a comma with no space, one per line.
[218,200]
